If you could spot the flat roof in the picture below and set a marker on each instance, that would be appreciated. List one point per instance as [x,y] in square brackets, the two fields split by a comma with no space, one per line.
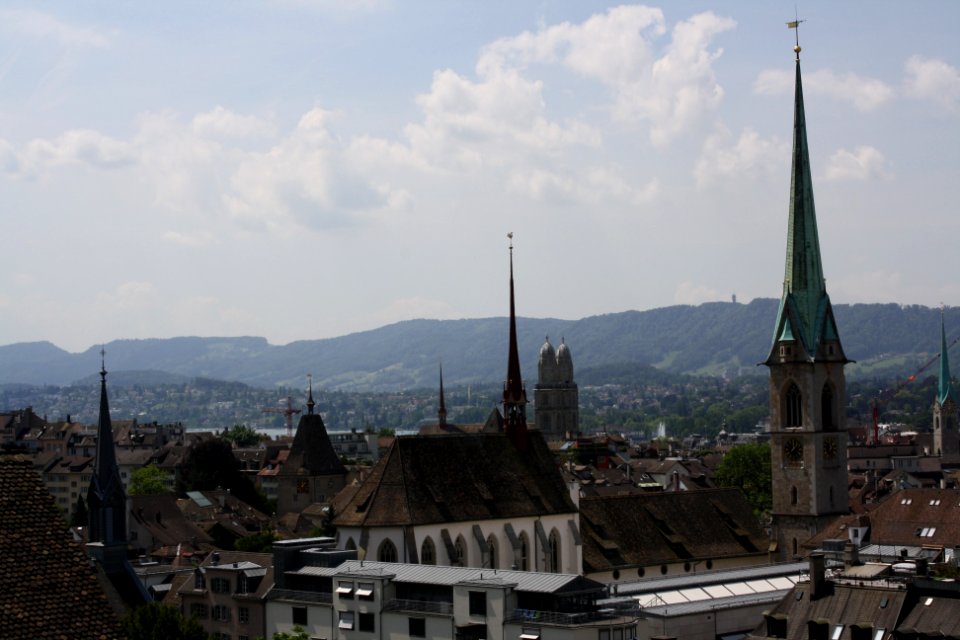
[719,576]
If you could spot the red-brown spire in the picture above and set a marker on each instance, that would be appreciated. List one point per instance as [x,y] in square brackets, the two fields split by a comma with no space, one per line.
[514,395]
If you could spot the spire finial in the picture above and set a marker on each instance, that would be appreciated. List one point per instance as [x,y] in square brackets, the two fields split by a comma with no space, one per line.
[310,403]
[103,363]
[795,25]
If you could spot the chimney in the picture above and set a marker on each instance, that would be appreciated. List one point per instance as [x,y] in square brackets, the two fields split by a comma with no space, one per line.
[851,555]
[818,575]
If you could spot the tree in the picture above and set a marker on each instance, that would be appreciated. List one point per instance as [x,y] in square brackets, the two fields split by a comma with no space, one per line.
[148,481]
[747,467]
[212,465]
[155,621]
[259,542]
[242,436]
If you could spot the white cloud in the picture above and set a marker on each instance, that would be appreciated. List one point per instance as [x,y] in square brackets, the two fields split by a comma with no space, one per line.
[78,146]
[864,94]
[671,93]
[692,293]
[863,163]
[592,185]
[750,157]
[43,25]
[220,122]
[934,80]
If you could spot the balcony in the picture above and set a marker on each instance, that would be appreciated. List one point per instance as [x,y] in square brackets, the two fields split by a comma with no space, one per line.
[421,606]
[524,616]
[300,596]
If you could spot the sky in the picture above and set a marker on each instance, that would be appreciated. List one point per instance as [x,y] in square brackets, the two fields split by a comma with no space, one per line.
[303,169]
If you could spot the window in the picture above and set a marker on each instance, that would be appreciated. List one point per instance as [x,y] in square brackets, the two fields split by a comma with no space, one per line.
[792,409]
[243,613]
[478,603]
[221,613]
[200,611]
[524,552]
[837,630]
[387,552]
[198,581]
[417,627]
[366,622]
[428,552]
[460,549]
[351,545]
[826,408]
[345,590]
[365,590]
[530,633]
[492,546]
[299,615]
[346,620]
[242,584]
[604,634]
[220,585]
[553,553]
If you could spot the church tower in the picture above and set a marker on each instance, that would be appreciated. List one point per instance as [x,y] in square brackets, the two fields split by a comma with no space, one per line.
[514,393]
[946,439]
[808,440]
[556,396]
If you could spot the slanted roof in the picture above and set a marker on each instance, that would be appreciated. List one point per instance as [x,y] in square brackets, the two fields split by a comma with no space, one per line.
[456,478]
[656,528]
[312,453]
[49,588]
[917,516]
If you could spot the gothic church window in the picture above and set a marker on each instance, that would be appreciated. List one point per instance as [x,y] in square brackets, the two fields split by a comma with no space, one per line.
[793,407]
[460,548]
[524,552]
[553,559]
[428,552]
[387,552]
[492,545]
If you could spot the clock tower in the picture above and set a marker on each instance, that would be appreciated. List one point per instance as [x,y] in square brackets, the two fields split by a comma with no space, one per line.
[808,440]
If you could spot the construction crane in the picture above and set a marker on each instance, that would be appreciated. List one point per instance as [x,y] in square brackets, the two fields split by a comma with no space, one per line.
[288,413]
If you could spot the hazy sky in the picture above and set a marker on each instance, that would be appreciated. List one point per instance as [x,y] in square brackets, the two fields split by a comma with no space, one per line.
[306,168]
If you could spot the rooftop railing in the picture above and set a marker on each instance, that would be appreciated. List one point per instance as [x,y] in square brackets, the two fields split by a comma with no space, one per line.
[300,595]
[423,606]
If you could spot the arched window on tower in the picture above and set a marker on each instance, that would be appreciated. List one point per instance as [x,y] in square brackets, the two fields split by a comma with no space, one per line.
[553,553]
[826,408]
[793,406]
[387,552]
[428,552]
[793,495]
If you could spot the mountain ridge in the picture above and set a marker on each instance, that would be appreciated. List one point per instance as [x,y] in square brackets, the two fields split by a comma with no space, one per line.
[715,338]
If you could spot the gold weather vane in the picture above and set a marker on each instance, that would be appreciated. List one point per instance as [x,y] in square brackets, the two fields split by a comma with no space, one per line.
[795,24]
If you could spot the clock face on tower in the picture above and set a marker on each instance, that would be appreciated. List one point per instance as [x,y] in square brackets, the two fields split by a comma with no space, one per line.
[830,449]
[793,450]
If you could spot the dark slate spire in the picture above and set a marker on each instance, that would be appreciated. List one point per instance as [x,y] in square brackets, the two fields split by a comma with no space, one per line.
[514,395]
[106,499]
[943,384]
[310,403]
[442,410]
[805,313]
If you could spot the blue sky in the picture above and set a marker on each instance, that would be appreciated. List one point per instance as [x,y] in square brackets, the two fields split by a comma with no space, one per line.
[306,169]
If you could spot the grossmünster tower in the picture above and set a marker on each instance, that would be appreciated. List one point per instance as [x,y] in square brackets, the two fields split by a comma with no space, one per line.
[807,386]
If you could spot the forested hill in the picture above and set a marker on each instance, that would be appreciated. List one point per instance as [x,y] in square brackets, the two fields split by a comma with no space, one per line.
[718,338]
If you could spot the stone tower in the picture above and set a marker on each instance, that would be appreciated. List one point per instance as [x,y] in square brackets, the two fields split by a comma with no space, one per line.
[556,397]
[946,439]
[808,440]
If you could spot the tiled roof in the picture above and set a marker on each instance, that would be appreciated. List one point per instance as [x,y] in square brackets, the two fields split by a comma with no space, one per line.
[656,528]
[312,453]
[456,478]
[917,516]
[49,589]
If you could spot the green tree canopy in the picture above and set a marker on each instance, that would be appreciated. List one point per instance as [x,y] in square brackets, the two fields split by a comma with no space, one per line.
[155,621]
[242,436]
[747,467]
[148,481]
[212,465]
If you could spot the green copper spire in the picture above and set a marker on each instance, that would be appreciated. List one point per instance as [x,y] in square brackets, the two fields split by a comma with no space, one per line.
[943,384]
[805,313]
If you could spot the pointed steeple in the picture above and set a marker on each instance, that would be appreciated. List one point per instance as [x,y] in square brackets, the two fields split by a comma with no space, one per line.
[310,403]
[106,499]
[943,384]
[442,410]
[805,313]
[514,395]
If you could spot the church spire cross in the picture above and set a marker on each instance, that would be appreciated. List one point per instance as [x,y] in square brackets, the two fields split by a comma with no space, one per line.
[310,403]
